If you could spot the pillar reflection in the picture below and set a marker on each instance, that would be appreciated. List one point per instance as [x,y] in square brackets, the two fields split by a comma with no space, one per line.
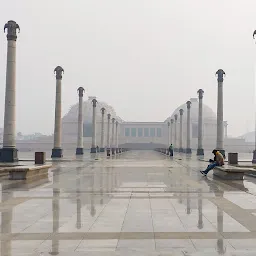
[78,198]
[200,224]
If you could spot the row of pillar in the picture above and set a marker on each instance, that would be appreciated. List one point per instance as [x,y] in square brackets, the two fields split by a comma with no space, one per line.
[172,125]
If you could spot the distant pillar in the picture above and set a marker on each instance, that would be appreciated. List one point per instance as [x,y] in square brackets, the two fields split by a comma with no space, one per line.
[9,152]
[117,146]
[108,135]
[171,136]
[94,148]
[181,130]
[102,146]
[188,149]
[113,137]
[57,150]
[175,132]
[80,136]
[225,123]
[200,150]
[168,138]
[220,133]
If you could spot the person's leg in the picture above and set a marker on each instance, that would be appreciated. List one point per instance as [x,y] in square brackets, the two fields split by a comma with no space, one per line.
[210,167]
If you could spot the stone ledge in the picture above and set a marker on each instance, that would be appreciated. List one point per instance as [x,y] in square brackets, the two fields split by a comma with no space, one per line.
[27,172]
[231,172]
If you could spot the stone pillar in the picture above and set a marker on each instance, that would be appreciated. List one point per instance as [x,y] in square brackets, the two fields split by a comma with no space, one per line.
[168,138]
[102,146]
[188,149]
[108,135]
[175,133]
[117,146]
[80,132]
[225,123]
[113,137]
[200,150]
[9,152]
[181,131]
[220,131]
[57,150]
[94,146]
[171,136]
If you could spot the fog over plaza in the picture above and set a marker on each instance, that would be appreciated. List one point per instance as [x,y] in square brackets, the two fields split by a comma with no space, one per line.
[144,58]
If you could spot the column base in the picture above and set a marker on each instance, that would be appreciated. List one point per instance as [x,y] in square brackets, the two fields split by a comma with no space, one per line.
[79,151]
[102,149]
[9,155]
[108,152]
[57,152]
[113,151]
[181,150]
[188,150]
[93,150]
[222,151]
[200,152]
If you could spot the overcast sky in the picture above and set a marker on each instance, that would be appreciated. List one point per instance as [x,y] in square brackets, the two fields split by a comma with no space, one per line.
[144,58]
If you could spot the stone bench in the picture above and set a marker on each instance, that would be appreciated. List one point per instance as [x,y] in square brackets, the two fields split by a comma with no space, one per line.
[27,172]
[228,172]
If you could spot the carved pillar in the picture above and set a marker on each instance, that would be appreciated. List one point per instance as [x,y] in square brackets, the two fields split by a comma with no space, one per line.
[113,137]
[188,149]
[200,150]
[175,133]
[168,138]
[102,146]
[94,146]
[9,152]
[108,135]
[220,131]
[80,136]
[181,131]
[57,150]
[117,146]
[171,136]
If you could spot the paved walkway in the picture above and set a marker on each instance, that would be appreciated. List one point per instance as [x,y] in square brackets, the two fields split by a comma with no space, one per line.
[141,203]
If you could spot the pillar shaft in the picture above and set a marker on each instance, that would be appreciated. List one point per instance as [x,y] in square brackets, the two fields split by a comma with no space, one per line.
[220,132]
[181,134]
[94,126]
[168,137]
[102,139]
[117,135]
[108,133]
[188,130]
[171,135]
[113,134]
[175,134]
[200,124]
[80,143]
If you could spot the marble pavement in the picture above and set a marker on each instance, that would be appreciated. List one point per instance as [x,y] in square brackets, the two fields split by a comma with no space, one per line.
[137,203]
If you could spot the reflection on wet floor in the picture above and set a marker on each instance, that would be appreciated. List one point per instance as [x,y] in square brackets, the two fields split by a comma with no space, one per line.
[139,203]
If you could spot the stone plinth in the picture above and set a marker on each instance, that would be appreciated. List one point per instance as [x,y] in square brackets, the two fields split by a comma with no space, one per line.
[230,172]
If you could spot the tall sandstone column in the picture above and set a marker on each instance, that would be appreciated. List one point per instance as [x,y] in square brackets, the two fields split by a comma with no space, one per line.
[181,131]
[171,136]
[108,135]
[175,133]
[188,149]
[80,125]
[113,137]
[117,146]
[102,140]
[220,131]
[225,123]
[200,150]
[57,150]
[9,152]
[94,146]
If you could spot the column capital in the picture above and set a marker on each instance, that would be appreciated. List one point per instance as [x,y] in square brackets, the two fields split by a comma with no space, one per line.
[172,121]
[58,71]
[11,27]
[94,103]
[175,117]
[109,116]
[181,111]
[188,104]
[200,93]
[80,91]
[103,111]
[220,74]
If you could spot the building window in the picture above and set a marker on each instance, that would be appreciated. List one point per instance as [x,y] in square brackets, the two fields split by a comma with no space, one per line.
[140,132]
[127,132]
[146,132]
[194,130]
[152,132]
[133,132]
[159,132]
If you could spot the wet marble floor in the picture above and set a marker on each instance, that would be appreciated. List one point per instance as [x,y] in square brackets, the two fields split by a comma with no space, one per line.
[139,203]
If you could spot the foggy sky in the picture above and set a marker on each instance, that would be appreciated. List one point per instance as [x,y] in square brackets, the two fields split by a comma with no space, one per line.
[145,58]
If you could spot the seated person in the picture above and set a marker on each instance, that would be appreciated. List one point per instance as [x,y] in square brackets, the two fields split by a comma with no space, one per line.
[217,161]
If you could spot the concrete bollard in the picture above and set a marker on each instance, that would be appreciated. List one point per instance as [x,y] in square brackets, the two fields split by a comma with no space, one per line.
[233,158]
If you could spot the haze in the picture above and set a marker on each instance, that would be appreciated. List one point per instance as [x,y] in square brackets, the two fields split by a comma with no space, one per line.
[145,58]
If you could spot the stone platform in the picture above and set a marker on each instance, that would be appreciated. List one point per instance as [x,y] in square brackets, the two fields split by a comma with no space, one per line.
[137,203]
